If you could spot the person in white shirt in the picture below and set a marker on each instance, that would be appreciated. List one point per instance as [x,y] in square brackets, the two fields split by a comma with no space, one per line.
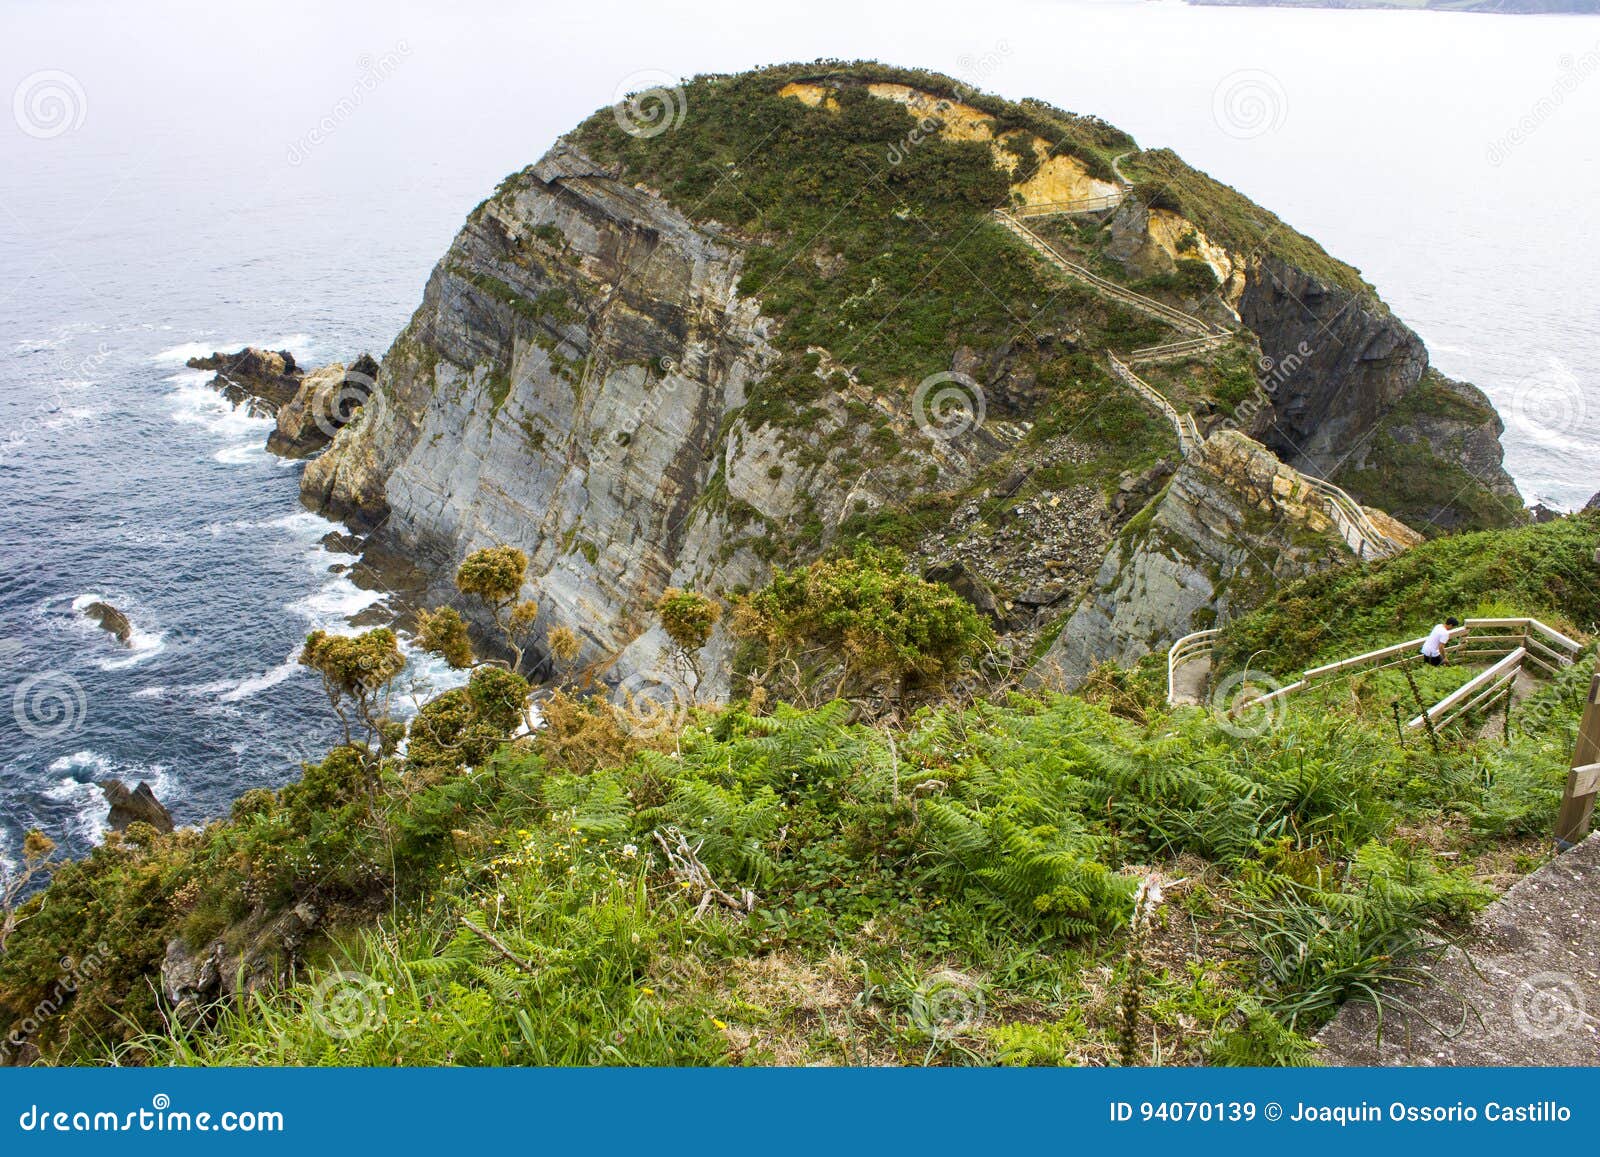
[1433,645]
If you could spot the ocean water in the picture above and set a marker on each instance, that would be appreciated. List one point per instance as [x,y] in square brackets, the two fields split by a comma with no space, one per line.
[287,174]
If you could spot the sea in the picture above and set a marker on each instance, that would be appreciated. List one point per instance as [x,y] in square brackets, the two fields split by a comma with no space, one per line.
[178,178]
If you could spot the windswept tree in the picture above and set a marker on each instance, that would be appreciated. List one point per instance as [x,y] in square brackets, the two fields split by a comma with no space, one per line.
[688,617]
[495,575]
[356,672]
[38,858]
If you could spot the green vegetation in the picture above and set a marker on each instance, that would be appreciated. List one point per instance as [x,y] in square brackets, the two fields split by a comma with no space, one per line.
[804,886]
[878,251]
[863,621]
[1410,479]
[1545,571]
[688,617]
[1164,181]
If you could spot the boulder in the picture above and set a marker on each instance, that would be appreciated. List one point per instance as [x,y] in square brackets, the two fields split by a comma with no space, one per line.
[1593,503]
[960,578]
[137,806]
[339,542]
[110,619]
[264,950]
[325,403]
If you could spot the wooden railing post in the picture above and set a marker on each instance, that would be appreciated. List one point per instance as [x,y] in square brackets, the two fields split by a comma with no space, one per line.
[1577,805]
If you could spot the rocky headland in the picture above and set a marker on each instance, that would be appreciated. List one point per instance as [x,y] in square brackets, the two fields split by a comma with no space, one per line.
[610,376]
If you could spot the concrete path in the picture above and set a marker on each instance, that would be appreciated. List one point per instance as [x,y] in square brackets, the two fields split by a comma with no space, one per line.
[1530,991]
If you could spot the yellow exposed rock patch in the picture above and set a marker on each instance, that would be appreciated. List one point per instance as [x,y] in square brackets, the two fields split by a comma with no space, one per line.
[962,122]
[1168,230]
[1391,527]
[814,95]
[1060,178]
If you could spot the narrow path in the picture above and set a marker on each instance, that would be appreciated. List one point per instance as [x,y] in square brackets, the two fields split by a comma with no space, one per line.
[1116,169]
[1354,525]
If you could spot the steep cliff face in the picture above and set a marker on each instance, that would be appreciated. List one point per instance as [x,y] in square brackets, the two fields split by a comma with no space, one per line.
[1234,524]
[560,390]
[1352,399]
[791,323]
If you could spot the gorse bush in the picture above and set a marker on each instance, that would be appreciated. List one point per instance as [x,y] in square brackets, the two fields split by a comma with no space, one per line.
[863,622]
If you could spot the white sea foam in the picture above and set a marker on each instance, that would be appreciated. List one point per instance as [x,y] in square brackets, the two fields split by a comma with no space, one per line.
[197,404]
[299,344]
[240,453]
[331,607]
[255,684]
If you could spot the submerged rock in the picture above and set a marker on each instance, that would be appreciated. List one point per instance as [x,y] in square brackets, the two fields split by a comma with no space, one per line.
[137,806]
[110,619]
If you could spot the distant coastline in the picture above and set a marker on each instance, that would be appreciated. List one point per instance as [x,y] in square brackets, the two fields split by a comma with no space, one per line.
[1505,7]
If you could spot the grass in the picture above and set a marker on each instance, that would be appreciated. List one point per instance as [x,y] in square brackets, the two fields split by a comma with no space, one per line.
[978,862]
[1546,571]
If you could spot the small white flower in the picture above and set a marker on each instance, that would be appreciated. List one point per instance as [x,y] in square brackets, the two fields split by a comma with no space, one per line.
[630,850]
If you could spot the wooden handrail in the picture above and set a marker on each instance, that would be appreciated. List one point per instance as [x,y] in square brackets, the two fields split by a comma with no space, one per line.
[1122,293]
[1062,208]
[1503,671]
[1459,640]
[1191,646]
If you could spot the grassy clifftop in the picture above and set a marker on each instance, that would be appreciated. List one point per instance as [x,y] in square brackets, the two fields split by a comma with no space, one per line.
[749,885]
